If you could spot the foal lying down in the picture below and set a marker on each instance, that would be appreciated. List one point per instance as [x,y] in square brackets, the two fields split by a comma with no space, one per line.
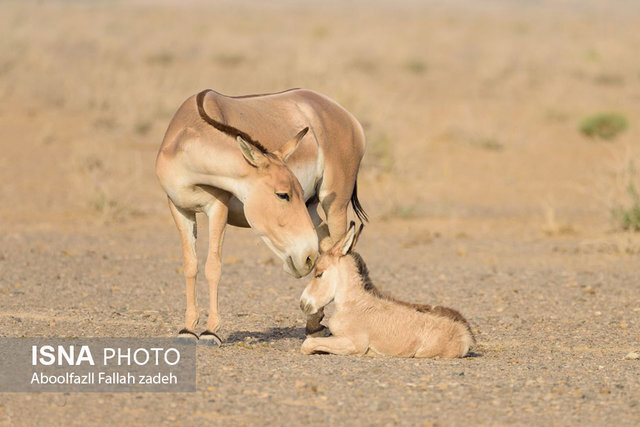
[367,319]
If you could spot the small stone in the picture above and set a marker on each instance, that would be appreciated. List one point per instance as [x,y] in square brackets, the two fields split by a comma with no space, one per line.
[597,313]
[632,356]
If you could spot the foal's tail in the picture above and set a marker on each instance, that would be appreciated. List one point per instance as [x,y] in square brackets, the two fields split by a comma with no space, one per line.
[357,207]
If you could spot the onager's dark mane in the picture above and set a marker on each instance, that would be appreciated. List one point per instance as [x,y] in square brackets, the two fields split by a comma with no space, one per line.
[438,310]
[225,128]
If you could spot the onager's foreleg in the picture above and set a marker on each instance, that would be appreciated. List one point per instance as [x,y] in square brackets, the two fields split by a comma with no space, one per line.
[336,212]
[313,327]
[186,223]
[322,229]
[333,345]
[217,212]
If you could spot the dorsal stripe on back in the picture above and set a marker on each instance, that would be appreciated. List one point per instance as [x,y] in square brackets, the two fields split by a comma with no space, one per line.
[222,127]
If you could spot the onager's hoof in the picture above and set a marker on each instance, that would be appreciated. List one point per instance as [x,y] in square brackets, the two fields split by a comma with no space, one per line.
[186,336]
[322,332]
[210,339]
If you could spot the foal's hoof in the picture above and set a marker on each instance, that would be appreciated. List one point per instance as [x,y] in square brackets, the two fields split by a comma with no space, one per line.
[210,339]
[186,336]
[322,332]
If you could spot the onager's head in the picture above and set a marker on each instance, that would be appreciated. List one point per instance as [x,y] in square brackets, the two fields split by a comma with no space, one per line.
[332,270]
[275,208]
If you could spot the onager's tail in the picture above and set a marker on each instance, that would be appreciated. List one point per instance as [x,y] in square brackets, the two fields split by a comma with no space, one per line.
[357,207]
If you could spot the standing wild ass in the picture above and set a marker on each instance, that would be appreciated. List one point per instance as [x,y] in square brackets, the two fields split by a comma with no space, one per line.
[367,319]
[207,164]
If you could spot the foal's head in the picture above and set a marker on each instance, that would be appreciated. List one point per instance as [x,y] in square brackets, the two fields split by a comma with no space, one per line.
[332,269]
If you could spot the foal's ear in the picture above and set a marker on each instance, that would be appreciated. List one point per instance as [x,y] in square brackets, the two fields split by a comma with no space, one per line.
[355,240]
[290,146]
[349,240]
[251,153]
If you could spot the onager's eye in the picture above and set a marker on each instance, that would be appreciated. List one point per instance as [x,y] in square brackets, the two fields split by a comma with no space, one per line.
[283,196]
[319,275]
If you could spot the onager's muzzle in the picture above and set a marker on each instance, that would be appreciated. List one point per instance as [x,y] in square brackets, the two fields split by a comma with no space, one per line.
[304,265]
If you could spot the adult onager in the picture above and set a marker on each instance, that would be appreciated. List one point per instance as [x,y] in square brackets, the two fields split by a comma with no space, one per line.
[296,149]
[367,319]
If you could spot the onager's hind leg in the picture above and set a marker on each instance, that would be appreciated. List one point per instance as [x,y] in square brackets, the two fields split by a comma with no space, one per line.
[217,212]
[186,223]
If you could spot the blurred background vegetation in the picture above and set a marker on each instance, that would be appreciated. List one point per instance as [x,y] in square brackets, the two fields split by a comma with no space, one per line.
[513,113]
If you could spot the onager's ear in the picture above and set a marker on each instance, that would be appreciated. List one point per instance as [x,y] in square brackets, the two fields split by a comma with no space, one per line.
[251,153]
[290,146]
[346,244]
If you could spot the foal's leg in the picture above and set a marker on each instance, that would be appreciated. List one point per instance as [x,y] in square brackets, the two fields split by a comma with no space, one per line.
[333,345]
[217,212]
[186,223]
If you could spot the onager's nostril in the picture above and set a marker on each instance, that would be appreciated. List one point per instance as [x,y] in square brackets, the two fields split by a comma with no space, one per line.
[309,263]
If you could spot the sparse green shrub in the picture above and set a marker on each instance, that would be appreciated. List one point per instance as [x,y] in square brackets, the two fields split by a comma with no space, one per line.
[142,127]
[604,125]
[490,144]
[364,65]
[416,66]
[606,79]
[628,217]
[161,58]
[380,153]
[229,59]
[320,32]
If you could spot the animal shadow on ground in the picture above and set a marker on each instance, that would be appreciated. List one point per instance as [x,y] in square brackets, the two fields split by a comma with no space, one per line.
[272,334]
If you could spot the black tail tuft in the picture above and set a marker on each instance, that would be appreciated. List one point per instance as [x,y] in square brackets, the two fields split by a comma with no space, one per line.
[357,207]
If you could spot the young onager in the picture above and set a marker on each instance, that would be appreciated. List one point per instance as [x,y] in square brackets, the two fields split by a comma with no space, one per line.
[367,319]
[309,153]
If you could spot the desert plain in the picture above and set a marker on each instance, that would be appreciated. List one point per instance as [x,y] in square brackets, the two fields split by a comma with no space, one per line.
[485,193]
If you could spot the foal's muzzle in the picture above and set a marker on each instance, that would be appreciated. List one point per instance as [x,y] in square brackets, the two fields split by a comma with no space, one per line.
[307,307]
[307,303]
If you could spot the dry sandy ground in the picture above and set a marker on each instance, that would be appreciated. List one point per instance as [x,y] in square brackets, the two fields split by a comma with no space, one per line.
[553,318]
[483,194]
